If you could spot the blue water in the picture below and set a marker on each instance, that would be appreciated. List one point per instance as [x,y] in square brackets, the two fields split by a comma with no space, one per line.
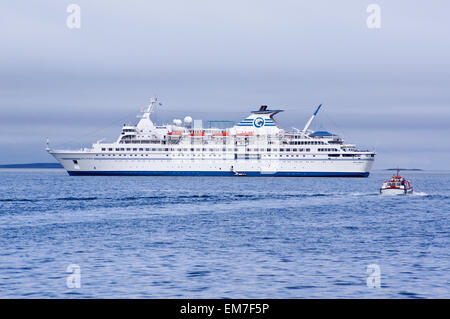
[219,237]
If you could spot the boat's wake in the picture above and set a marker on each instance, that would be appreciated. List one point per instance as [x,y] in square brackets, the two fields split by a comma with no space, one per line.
[420,194]
[416,194]
[364,194]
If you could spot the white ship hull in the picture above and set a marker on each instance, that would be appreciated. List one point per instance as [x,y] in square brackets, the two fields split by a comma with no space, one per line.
[395,191]
[88,164]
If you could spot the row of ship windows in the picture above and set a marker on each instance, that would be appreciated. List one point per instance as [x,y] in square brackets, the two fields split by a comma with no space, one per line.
[223,155]
[210,149]
[126,140]
[307,143]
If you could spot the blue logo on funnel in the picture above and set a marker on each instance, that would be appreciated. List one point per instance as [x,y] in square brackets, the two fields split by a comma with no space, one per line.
[258,122]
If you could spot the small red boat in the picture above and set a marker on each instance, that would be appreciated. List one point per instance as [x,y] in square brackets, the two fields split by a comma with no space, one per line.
[397,185]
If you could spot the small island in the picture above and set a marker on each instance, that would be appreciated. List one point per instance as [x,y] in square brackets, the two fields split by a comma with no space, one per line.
[404,169]
[32,165]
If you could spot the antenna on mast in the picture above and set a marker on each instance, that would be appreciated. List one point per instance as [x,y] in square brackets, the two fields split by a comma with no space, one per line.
[311,119]
[149,108]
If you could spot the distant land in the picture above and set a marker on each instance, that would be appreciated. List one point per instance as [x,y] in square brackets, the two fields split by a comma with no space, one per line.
[32,165]
[403,169]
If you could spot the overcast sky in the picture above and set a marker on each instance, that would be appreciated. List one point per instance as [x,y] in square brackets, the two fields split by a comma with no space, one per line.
[386,89]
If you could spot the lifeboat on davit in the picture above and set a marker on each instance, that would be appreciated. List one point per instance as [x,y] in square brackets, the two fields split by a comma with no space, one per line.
[397,185]
[220,134]
[197,134]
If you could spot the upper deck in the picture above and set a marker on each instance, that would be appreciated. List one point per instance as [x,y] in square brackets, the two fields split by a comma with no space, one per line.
[258,134]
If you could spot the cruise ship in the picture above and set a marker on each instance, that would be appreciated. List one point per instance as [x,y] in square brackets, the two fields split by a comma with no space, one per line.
[255,146]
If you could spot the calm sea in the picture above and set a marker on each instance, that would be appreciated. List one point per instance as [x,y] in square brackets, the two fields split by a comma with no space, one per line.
[224,237]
